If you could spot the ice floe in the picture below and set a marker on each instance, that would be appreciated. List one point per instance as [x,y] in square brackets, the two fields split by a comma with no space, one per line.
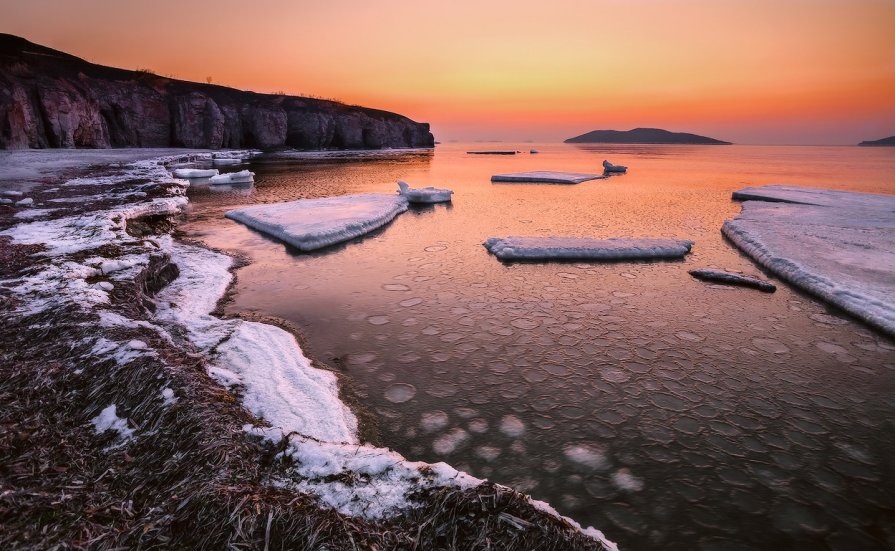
[839,246]
[548,177]
[241,177]
[309,224]
[609,167]
[193,173]
[583,248]
[424,195]
[732,278]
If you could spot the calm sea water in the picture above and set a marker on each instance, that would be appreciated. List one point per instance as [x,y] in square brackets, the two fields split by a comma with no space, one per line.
[661,409]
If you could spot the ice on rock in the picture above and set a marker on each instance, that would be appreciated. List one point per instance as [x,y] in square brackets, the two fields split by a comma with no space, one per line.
[310,224]
[839,246]
[583,248]
[424,195]
[609,167]
[546,177]
[241,177]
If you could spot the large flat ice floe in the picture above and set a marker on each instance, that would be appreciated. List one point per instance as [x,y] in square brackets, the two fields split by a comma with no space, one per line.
[839,246]
[309,224]
[547,177]
[583,248]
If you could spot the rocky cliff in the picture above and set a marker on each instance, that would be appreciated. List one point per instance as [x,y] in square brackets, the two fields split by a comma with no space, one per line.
[885,142]
[52,99]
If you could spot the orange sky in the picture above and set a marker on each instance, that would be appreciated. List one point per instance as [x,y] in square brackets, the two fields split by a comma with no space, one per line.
[748,71]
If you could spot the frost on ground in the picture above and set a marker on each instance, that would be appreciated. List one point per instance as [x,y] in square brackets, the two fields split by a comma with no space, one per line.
[583,248]
[309,224]
[546,177]
[112,317]
[108,420]
[839,246]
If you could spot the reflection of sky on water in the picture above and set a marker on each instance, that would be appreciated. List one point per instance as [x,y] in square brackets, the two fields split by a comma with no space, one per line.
[664,410]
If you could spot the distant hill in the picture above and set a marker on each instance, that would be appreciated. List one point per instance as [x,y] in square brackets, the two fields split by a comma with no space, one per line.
[644,135]
[890,142]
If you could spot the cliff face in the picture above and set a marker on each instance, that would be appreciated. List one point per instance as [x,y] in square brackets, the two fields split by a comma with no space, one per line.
[52,99]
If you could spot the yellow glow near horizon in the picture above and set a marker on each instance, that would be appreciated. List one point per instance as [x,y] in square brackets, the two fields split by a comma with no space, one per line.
[755,71]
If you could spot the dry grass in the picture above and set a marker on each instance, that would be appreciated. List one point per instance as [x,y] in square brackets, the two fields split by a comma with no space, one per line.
[191,477]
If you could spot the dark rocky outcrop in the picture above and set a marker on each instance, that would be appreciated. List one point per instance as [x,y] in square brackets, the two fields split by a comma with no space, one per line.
[52,99]
[885,142]
[644,136]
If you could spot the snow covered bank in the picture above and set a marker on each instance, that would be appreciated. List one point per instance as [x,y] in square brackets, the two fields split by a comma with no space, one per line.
[583,248]
[547,177]
[141,339]
[309,224]
[839,246]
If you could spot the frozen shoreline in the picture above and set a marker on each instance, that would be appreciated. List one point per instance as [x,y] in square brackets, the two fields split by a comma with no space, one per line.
[321,441]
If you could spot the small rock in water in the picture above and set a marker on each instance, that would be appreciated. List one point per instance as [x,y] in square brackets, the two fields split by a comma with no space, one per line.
[730,278]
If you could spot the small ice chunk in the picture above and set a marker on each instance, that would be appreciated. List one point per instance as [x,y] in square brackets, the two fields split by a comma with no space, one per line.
[105,285]
[195,173]
[309,224]
[609,167]
[546,177]
[512,426]
[241,177]
[583,248]
[587,455]
[26,202]
[217,161]
[450,442]
[424,195]
[109,420]
[11,193]
[399,393]
[731,278]
[624,480]
[5,201]
[434,420]
[136,345]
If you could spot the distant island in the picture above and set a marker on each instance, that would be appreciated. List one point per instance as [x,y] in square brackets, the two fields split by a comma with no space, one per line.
[885,142]
[645,136]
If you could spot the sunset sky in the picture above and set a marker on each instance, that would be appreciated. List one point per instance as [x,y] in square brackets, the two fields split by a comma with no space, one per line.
[748,71]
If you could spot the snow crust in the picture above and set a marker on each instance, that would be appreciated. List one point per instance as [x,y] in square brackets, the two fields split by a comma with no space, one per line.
[424,195]
[583,248]
[548,177]
[310,224]
[840,247]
